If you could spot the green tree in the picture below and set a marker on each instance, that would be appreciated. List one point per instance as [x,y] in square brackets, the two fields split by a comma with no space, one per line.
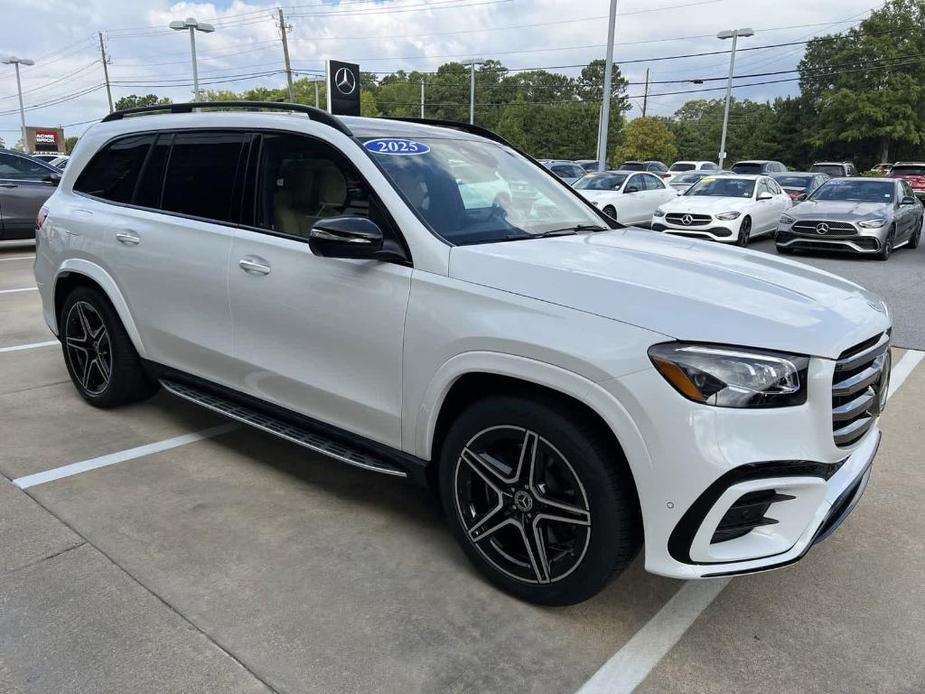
[647,138]
[135,101]
[862,84]
[69,143]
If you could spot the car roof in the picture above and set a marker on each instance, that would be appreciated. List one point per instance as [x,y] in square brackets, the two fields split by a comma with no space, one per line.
[757,161]
[909,163]
[775,174]
[830,163]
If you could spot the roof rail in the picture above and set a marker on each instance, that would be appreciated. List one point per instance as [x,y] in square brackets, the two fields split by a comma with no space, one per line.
[315,114]
[456,125]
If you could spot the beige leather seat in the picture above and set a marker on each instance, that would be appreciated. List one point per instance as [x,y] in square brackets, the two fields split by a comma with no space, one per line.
[295,199]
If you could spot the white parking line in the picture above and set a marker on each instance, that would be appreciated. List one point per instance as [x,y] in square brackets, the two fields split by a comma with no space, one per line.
[23,289]
[119,457]
[18,257]
[31,345]
[629,666]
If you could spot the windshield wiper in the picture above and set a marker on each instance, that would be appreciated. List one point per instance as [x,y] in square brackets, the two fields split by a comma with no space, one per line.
[568,231]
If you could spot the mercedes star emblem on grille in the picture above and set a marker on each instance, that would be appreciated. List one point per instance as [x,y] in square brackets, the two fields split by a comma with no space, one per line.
[822,228]
[686,220]
[345,81]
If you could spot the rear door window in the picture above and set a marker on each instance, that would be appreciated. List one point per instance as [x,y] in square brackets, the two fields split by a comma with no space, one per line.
[201,174]
[151,183]
[113,171]
[15,168]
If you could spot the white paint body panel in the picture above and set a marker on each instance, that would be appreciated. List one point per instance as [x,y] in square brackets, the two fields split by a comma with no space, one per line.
[374,348]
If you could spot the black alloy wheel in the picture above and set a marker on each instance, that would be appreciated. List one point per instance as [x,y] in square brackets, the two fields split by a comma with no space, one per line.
[611,212]
[522,505]
[87,348]
[745,231]
[917,235]
[886,250]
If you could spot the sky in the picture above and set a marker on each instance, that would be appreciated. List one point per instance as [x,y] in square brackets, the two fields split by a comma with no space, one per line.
[65,85]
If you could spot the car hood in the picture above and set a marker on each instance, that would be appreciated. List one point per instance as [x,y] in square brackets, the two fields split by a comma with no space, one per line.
[840,209]
[682,288]
[707,204]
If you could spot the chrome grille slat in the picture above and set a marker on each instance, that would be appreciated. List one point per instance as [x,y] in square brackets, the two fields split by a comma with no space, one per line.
[856,382]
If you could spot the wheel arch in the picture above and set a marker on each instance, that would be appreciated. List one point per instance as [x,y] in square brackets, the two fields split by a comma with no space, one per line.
[77,272]
[469,377]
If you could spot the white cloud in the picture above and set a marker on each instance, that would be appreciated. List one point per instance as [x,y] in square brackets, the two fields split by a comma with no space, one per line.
[386,35]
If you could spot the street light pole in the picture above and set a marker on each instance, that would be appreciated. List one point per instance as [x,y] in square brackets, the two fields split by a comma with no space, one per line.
[603,127]
[16,62]
[191,24]
[733,34]
[472,63]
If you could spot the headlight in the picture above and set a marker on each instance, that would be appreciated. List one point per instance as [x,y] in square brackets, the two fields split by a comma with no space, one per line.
[659,212]
[786,219]
[726,216]
[872,223]
[730,376]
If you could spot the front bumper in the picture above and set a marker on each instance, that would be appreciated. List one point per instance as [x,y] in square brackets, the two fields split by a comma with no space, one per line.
[714,230]
[703,461]
[864,241]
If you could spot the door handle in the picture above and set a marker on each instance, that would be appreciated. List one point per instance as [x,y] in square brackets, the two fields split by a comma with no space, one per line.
[128,238]
[254,265]
[9,185]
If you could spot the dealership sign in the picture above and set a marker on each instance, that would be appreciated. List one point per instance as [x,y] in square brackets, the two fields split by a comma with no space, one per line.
[44,139]
[343,80]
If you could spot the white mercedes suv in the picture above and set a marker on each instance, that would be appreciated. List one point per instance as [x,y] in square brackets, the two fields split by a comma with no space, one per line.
[573,388]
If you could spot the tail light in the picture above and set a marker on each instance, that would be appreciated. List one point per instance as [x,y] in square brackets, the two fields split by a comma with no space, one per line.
[40,218]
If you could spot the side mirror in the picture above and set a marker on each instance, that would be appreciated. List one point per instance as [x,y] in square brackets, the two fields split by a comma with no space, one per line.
[346,237]
[52,178]
[764,196]
[631,189]
[908,200]
[801,197]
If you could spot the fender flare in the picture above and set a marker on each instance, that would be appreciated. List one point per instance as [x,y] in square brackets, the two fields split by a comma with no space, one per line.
[532,371]
[80,266]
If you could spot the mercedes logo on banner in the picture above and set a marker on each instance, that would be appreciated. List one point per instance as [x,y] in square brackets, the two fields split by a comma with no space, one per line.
[343,81]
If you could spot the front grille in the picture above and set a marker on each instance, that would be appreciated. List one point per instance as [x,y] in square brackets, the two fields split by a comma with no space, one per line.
[831,229]
[695,219]
[861,375]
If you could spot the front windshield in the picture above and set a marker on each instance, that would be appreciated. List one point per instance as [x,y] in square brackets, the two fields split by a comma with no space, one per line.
[855,191]
[830,169]
[688,178]
[723,187]
[474,191]
[797,182]
[632,166]
[682,167]
[606,181]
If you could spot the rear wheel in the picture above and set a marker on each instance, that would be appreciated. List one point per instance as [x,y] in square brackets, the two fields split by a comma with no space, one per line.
[745,231]
[611,212]
[100,357]
[537,499]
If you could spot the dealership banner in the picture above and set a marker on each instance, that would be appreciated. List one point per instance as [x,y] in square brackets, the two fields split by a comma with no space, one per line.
[343,81]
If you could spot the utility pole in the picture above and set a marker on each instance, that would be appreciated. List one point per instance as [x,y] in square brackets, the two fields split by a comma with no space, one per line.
[733,34]
[16,62]
[282,28]
[422,98]
[604,125]
[315,80]
[645,95]
[105,71]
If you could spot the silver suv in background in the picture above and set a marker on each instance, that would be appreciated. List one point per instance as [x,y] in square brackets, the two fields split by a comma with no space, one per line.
[871,216]
[835,169]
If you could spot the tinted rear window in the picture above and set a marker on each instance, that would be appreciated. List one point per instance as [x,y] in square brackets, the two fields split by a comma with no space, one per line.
[201,174]
[907,170]
[113,171]
[799,182]
[682,167]
[148,192]
[632,166]
[745,168]
[833,170]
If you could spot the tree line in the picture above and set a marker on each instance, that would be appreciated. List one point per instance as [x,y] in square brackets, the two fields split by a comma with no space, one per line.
[862,98]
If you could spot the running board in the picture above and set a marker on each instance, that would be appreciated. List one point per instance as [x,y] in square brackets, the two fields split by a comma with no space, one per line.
[278,427]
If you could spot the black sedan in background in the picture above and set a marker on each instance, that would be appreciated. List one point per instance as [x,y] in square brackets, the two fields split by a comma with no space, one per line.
[25,184]
[798,184]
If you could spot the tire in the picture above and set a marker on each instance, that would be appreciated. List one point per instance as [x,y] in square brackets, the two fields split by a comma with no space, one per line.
[916,237]
[100,358]
[887,249]
[783,250]
[611,212]
[745,230]
[579,476]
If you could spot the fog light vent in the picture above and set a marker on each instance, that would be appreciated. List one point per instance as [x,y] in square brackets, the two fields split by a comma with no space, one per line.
[746,514]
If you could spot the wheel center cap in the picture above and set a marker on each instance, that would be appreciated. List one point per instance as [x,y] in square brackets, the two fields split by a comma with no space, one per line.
[523,501]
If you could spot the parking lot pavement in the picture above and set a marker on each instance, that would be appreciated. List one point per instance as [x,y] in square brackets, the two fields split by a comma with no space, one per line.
[242,563]
[900,281]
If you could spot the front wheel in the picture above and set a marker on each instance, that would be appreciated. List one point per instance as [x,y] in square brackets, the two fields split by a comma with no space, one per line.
[538,498]
[611,212]
[916,237]
[100,357]
[886,250]
[745,231]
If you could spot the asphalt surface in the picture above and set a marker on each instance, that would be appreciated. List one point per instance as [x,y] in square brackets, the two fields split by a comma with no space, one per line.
[899,280]
[240,563]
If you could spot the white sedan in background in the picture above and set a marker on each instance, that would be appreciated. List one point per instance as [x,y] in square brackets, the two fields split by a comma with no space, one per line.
[729,209]
[630,197]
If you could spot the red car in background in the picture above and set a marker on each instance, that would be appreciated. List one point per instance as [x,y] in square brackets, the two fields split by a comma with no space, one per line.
[913,172]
